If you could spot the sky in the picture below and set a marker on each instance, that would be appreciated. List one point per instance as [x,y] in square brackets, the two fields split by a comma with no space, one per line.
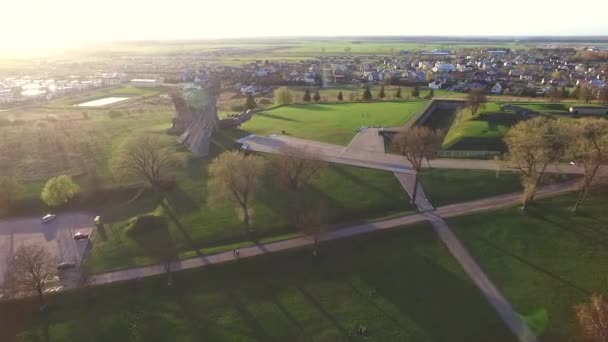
[43,23]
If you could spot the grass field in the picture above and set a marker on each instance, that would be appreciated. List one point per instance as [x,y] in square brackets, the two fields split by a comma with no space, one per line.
[545,261]
[445,186]
[331,123]
[128,91]
[350,195]
[401,285]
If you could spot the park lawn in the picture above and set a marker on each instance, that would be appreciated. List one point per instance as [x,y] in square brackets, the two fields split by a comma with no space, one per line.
[545,261]
[331,123]
[484,131]
[349,195]
[402,285]
[127,90]
[447,186]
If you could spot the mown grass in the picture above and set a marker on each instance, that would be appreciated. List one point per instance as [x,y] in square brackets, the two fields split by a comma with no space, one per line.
[349,195]
[331,123]
[401,285]
[544,261]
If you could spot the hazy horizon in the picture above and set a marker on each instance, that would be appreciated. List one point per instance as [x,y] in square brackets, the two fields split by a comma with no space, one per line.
[40,23]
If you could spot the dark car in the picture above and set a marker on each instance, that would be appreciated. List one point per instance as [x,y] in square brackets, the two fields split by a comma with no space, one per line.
[66,265]
[81,236]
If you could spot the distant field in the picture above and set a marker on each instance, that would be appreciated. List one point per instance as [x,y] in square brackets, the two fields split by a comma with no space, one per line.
[127,91]
[544,261]
[331,123]
[401,285]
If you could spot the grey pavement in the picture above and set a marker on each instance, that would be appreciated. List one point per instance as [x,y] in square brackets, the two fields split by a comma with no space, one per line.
[56,236]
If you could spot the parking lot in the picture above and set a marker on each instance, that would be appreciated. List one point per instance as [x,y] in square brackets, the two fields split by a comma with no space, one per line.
[56,236]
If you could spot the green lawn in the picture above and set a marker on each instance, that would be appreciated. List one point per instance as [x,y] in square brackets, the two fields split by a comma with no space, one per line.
[401,285]
[350,195]
[127,90]
[331,123]
[545,261]
[445,186]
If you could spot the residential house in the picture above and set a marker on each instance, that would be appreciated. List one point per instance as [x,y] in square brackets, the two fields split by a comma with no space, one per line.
[496,89]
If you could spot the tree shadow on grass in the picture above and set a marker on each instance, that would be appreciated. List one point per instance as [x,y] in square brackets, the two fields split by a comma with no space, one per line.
[276,117]
[534,266]
[153,236]
[358,180]
[424,295]
[248,317]
[180,201]
[324,312]
[173,217]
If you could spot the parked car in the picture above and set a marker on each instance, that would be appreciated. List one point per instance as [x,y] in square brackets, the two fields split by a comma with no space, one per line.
[48,218]
[81,236]
[66,265]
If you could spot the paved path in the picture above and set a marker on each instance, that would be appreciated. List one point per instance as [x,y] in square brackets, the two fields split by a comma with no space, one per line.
[385,161]
[489,290]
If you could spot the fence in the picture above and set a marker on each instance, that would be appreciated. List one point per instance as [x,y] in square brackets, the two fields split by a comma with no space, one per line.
[468,154]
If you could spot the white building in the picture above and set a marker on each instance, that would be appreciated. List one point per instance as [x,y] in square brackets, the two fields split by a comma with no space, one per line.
[114,78]
[146,82]
[497,88]
[444,67]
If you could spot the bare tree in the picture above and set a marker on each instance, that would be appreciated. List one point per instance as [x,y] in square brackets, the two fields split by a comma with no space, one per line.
[592,319]
[416,144]
[554,94]
[235,176]
[603,95]
[295,167]
[32,270]
[533,145]
[147,158]
[588,147]
[475,99]
[587,92]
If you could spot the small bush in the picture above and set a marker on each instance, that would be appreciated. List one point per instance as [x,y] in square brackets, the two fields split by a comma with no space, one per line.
[265,101]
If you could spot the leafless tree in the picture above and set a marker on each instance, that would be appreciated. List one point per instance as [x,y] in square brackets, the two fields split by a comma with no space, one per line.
[587,92]
[416,144]
[592,319]
[589,148]
[554,94]
[295,167]
[475,99]
[533,145]
[148,158]
[235,176]
[33,269]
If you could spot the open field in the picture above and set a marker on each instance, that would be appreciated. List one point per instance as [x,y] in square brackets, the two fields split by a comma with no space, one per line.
[132,93]
[331,123]
[400,285]
[544,261]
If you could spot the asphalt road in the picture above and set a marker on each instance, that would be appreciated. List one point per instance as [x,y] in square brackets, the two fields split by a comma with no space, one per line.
[56,236]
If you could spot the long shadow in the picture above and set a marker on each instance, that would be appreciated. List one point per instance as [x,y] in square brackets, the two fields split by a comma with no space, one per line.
[258,329]
[180,200]
[282,308]
[183,230]
[536,267]
[424,295]
[353,178]
[152,234]
[324,312]
[277,117]
[375,305]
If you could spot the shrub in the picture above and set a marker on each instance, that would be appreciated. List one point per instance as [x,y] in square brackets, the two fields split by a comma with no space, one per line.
[265,101]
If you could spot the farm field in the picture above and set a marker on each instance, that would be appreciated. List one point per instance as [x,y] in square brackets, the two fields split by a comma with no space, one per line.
[331,123]
[400,285]
[544,261]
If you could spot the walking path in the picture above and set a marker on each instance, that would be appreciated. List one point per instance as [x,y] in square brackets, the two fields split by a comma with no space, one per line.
[489,290]
[369,140]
